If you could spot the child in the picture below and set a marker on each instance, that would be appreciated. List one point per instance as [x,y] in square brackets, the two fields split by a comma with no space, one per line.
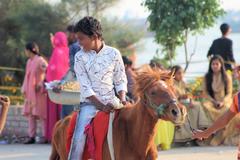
[99,69]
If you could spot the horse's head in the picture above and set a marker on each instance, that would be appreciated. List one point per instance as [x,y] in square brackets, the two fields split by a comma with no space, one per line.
[155,90]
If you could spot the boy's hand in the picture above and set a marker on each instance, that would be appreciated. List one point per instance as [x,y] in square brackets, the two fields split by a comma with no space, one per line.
[108,108]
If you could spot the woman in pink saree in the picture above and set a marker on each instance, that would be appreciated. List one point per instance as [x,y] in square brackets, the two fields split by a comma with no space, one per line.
[57,68]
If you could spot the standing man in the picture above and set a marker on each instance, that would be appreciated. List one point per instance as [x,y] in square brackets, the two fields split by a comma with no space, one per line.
[74,47]
[223,47]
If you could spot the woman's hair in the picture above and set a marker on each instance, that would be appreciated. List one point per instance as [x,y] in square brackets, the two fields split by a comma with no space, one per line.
[175,68]
[209,75]
[89,26]
[32,47]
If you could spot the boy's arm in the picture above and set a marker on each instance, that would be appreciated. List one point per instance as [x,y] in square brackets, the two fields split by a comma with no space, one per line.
[120,78]
[217,125]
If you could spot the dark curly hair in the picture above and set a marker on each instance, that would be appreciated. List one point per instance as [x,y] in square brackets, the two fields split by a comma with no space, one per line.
[89,26]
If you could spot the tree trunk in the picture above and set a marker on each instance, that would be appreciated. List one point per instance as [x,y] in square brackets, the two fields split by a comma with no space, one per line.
[186,50]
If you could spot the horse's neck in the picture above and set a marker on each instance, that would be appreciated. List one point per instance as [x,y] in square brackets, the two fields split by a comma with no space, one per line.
[140,127]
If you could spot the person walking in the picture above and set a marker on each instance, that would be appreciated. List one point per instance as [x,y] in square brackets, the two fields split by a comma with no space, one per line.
[223,47]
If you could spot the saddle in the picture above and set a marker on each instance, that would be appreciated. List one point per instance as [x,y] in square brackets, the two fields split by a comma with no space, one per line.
[96,133]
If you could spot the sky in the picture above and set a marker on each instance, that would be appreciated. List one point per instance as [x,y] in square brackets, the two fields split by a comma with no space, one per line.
[134,9]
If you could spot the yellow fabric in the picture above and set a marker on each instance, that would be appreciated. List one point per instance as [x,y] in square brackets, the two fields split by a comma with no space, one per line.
[165,133]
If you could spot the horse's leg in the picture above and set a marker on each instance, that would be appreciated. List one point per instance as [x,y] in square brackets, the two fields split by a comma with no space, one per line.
[54,155]
[106,154]
[59,140]
[152,154]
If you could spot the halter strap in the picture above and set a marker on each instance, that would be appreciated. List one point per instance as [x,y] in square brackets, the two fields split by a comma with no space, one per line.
[161,107]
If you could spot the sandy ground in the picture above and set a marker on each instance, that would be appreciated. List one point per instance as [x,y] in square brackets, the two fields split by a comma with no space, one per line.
[41,152]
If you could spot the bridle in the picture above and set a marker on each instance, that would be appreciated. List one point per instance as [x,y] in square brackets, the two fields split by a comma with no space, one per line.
[160,109]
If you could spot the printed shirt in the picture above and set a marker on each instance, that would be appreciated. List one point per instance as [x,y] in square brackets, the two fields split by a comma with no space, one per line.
[236,103]
[100,73]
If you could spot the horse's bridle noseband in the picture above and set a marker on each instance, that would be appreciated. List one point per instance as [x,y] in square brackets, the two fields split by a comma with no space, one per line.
[160,109]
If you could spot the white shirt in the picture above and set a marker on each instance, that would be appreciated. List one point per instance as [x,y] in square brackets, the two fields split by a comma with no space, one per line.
[99,73]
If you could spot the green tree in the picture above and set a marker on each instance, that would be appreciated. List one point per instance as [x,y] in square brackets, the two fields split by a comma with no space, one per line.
[93,8]
[27,20]
[172,21]
[121,35]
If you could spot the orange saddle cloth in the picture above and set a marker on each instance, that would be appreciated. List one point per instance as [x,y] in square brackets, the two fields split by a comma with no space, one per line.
[96,133]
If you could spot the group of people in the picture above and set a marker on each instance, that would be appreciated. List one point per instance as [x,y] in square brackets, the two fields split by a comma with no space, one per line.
[217,97]
[37,104]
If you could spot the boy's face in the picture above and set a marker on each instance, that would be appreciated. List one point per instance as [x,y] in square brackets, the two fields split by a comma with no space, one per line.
[87,42]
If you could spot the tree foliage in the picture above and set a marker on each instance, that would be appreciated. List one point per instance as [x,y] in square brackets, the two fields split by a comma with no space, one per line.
[172,20]
[121,34]
[33,20]
[27,20]
[87,7]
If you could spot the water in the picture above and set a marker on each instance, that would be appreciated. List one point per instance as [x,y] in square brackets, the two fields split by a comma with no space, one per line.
[148,48]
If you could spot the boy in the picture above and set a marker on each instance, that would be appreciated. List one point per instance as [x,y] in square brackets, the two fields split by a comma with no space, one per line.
[99,69]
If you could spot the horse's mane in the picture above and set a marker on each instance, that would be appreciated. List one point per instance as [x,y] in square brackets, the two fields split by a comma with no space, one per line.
[147,76]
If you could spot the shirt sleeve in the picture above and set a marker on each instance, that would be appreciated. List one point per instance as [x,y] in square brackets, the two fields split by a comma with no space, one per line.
[119,75]
[210,51]
[234,107]
[82,76]
[231,57]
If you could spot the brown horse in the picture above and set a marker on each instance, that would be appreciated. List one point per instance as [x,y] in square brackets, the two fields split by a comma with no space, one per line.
[134,127]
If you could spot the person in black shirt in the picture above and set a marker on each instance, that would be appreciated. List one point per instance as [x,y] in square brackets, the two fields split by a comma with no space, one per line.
[223,47]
